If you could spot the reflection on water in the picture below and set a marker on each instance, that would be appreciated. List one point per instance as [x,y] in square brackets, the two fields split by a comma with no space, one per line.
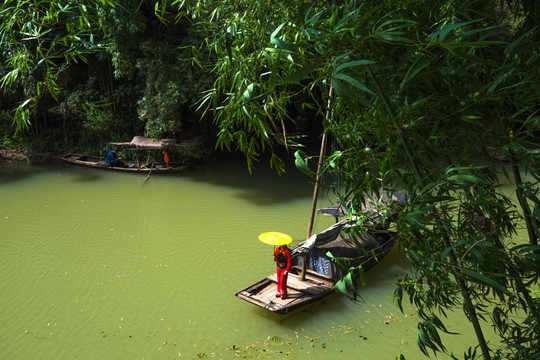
[88,176]
[99,264]
[17,172]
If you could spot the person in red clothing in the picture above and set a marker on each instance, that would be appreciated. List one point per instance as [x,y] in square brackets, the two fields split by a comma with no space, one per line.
[282,257]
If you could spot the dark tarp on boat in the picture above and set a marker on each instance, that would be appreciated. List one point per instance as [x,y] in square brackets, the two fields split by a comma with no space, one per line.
[341,243]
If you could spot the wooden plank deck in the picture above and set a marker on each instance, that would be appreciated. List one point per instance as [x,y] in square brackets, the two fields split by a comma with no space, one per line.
[263,293]
[309,285]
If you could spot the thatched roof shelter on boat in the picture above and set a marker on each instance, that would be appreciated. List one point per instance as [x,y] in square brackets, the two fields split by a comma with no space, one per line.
[141,142]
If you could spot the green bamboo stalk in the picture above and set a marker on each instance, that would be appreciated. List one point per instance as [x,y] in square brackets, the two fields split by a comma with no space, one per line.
[533,236]
[317,181]
[396,125]
[458,275]
[520,286]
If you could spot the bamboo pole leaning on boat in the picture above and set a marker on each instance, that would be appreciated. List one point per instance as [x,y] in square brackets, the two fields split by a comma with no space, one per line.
[317,180]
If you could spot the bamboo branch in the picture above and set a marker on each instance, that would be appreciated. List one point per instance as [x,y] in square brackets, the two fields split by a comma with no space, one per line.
[533,236]
[458,275]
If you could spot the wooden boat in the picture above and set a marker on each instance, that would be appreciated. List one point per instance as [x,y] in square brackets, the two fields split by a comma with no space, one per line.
[139,145]
[307,284]
[131,166]
[321,274]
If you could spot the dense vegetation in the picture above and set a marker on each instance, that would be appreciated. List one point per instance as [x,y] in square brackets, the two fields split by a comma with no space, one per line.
[76,75]
[419,96]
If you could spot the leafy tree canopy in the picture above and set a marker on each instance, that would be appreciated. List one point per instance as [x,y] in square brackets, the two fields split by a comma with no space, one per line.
[418,96]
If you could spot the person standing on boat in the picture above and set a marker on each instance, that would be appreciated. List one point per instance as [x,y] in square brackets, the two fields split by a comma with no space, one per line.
[282,257]
[112,159]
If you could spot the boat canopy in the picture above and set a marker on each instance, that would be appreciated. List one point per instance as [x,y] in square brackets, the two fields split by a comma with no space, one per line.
[320,239]
[352,244]
[141,142]
[374,214]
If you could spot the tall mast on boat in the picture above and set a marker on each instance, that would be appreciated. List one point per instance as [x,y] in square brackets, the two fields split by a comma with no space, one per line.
[317,182]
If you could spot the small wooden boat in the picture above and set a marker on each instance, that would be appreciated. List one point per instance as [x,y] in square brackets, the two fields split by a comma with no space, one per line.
[132,166]
[141,147]
[321,274]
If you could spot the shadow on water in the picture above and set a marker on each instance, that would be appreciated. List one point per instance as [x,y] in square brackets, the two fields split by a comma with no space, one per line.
[87,176]
[17,172]
[10,173]
[261,187]
[331,304]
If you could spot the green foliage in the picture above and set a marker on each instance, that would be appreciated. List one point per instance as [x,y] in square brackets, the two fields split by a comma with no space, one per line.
[122,26]
[418,95]
[348,284]
[7,140]
[172,85]
[97,57]
[42,38]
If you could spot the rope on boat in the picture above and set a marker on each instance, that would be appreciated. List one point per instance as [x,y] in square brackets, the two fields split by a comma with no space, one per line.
[266,308]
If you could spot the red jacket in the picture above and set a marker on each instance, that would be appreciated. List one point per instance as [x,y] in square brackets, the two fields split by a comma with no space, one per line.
[282,257]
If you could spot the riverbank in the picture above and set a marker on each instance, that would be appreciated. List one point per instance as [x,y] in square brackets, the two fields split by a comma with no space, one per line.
[192,151]
[25,157]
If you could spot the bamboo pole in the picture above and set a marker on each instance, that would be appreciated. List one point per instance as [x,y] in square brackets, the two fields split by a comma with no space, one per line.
[458,275]
[317,182]
[533,238]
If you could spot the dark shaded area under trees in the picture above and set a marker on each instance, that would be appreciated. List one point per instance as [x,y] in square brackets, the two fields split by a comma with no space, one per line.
[143,82]
[134,86]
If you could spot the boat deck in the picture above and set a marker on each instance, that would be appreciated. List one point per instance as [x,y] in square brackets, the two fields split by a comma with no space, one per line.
[310,285]
[263,293]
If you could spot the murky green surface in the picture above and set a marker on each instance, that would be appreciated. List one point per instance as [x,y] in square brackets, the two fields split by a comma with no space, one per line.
[102,265]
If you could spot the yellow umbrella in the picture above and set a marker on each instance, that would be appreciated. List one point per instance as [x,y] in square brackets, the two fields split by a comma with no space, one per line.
[275,238]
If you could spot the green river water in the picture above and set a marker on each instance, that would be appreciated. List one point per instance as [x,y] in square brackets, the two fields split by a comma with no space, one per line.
[103,265]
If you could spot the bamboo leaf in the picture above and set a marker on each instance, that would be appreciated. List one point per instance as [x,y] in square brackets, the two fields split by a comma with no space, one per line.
[445,253]
[518,42]
[470,44]
[499,80]
[26,102]
[284,45]
[413,71]
[441,34]
[392,36]
[300,74]
[398,297]
[246,96]
[479,278]
[422,340]
[275,32]
[357,84]
[354,63]
[361,276]
[402,23]
[414,258]
[526,248]
[301,163]
[465,179]
[341,287]
[341,56]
